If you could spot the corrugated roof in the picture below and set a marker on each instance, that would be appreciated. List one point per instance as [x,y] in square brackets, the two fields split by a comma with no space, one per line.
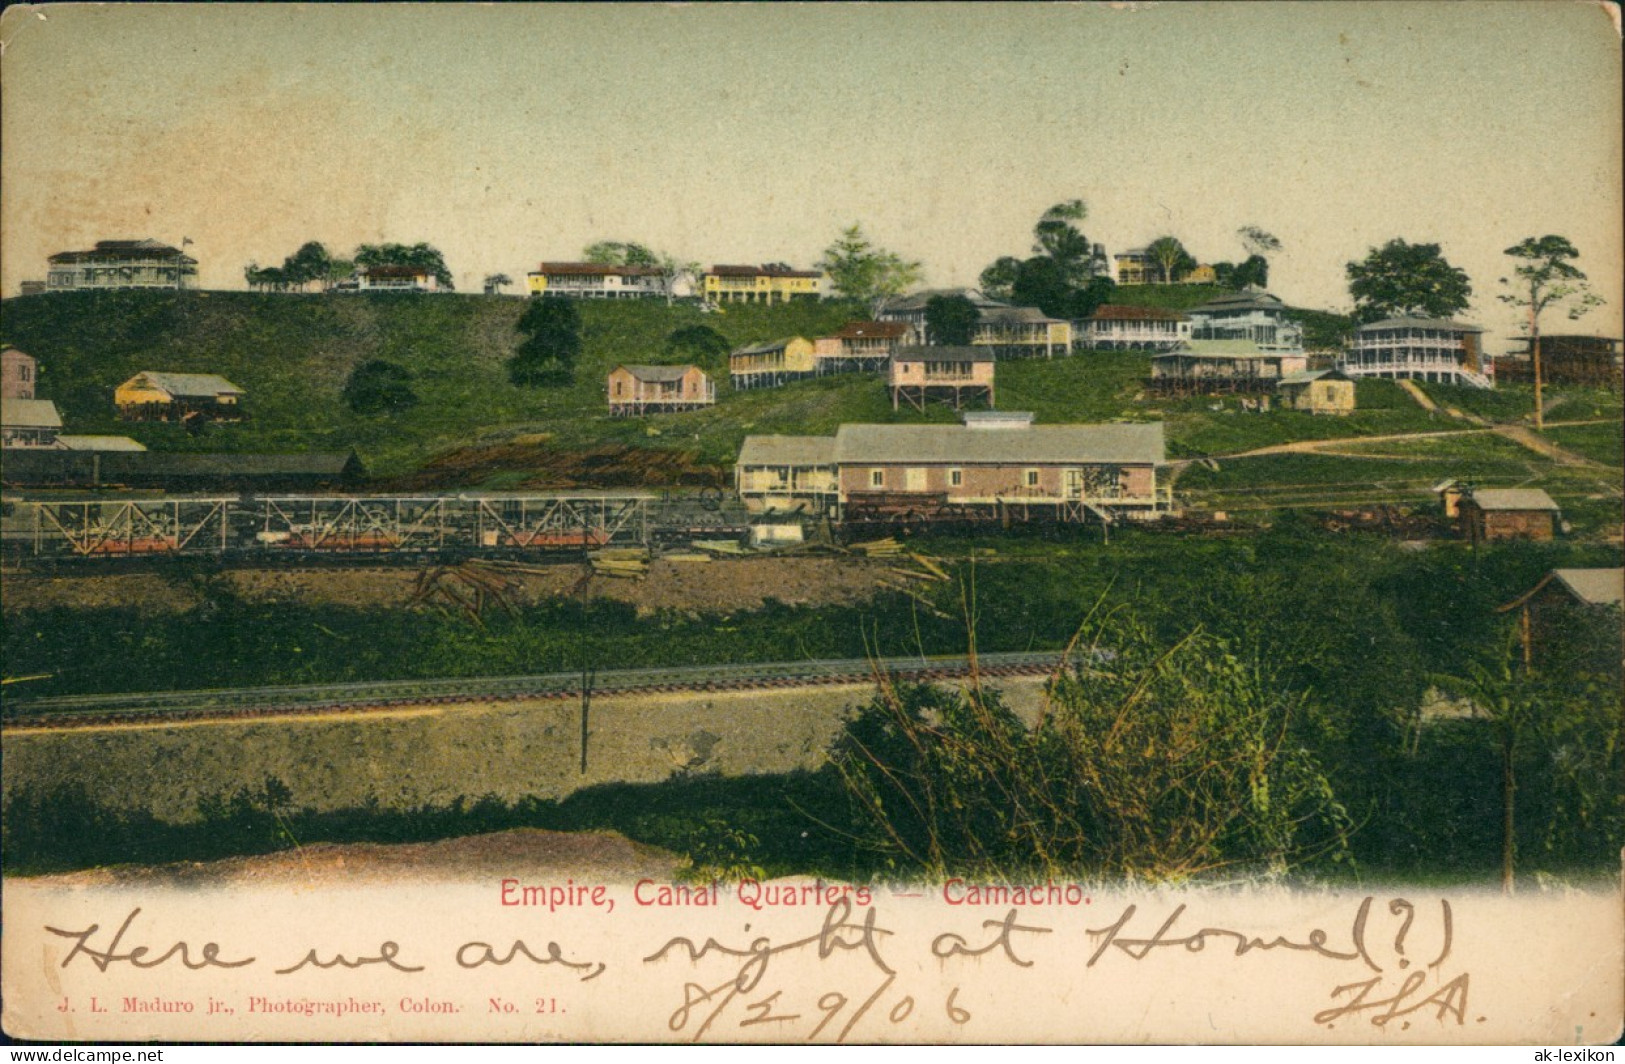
[658,374]
[132,250]
[1118,312]
[189,384]
[597,269]
[942,354]
[916,301]
[787,450]
[1512,499]
[872,330]
[1308,375]
[99,443]
[761,271]
[1239,301]
[1015,316]
[1039,444]
[767,348]
[1221,349]
[1441,324]
[1600,587]
[29,414]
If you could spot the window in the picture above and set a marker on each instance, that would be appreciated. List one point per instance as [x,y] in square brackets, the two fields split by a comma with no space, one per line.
[956,478]
[1032,478]
[877,478]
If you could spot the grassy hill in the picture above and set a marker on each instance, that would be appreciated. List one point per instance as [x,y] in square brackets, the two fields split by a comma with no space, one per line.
[293,354]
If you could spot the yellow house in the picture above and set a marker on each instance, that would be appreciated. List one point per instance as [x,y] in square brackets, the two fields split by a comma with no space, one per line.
[151,395]
[768,365]
[1321,391]
[771,283]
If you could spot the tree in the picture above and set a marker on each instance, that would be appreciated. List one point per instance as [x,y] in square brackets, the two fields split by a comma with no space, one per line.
[310,263]
[1401,279]
[1254,271]
[1067,275]
[998,281]
[496,282]
[858,269]
[950,321]
[618,253]
[1257,241]
[699,344]
[1545,277]
[379,387]
[1171,255]
[551,331]
[420,256]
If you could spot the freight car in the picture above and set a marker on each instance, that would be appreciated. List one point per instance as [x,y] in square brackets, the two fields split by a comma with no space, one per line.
[324,525]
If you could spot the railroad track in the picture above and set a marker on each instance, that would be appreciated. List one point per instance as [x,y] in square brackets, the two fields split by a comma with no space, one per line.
[250,702]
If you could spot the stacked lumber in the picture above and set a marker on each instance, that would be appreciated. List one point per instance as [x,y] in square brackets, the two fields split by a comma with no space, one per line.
[629,563]
[879,548]
[720,546]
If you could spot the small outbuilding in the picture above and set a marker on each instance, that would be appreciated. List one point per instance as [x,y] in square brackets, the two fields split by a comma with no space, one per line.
[1567,605]
[152,395]
[1488,514]
[29,423]
[637,390]
[17,373]
[1318,391]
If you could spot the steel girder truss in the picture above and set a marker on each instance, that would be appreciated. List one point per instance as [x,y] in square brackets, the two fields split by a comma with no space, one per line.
[562,521]
[131,526]
[352,523]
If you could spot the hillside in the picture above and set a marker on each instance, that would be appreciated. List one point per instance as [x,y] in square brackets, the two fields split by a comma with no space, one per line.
[473,428]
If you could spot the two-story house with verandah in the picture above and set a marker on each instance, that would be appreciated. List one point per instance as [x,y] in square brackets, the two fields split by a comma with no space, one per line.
[1413,348]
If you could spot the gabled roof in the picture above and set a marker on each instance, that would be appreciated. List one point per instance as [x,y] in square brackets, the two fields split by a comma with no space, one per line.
[916,301]
[1222,349]
[769,270]
[1016,316]
[1118,312]
[942,354]
[597,269]
[130,250]
[658,374]
[1597,587]
[1309,375]
[787,450]
[1239,301]
[396,271]
[1038,444]
[1512,499]
[99,443]
[1439,324]
[1594,587]
[872,330]
[188,385]
[29,414]
[767,348]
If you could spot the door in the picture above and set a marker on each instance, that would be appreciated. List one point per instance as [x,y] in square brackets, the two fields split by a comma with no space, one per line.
[914,478]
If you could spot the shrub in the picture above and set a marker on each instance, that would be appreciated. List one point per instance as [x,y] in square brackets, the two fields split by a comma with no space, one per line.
[380,387]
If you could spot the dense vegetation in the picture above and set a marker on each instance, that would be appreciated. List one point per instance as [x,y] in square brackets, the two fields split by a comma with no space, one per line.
[1289,607]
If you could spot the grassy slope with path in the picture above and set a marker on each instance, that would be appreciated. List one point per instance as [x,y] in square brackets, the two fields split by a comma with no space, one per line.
[293,353]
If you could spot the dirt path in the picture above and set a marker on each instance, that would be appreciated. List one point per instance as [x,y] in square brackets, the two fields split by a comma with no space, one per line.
[529,854]
[1542,446]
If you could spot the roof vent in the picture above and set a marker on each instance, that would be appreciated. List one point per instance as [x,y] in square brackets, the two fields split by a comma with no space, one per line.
[997,419]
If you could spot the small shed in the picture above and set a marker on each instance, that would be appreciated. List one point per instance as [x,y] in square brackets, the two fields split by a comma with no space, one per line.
[1556,615]
[637,390]
[153,395]
[29,422]
[1318,391]
[1488,514]
[771,364]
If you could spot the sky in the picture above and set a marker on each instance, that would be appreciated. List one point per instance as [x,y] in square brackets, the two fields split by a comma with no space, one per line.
[509,134]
